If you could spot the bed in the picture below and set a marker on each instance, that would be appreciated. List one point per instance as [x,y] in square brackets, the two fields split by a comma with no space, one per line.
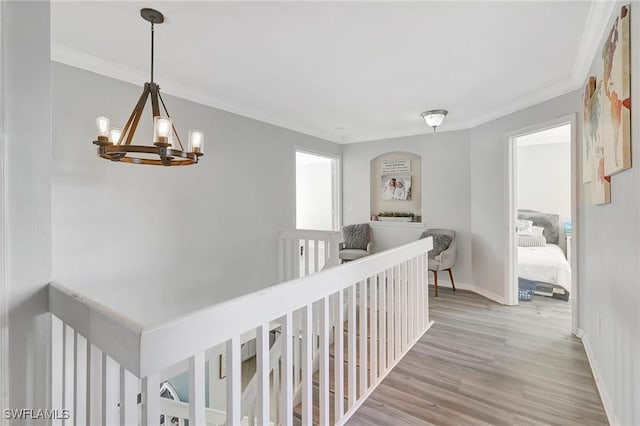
[546,265]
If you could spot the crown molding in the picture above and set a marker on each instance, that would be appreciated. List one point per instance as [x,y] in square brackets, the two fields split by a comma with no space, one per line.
[600,14]
[75,58]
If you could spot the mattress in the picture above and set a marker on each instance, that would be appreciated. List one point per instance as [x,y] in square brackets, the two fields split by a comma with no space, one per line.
[544,264]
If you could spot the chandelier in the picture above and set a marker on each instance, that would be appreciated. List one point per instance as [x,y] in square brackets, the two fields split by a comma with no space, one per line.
[115,144]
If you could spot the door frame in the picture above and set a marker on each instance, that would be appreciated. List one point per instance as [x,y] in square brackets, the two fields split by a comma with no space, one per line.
[336,219]
[511,190]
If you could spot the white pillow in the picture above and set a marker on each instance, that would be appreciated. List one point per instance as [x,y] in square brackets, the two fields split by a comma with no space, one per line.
[531,240]
[537,231]
[523,227]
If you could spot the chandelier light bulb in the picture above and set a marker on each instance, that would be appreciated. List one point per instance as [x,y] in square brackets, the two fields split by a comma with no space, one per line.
[103,126]
[114,135]
[162,129]
[196,141]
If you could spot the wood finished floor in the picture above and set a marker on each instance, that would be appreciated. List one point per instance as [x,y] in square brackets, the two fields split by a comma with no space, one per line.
[482,363]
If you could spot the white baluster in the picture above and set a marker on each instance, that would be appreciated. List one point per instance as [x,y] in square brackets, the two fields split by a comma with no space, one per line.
[351,346]
[234,384]
[80,393]
[316,250]
[323,353]
[411,300]
[397,301]
[110,391]
[363,337]
[306,257]
[69,379]
[382,322]
[425,259]
[307,367]
[297,348]
[128,398]
[373,329]
[405,304]
[196,389]
[262,373]
[57,365]
[338,356]
[94,407]
[151,400]
[390,317]
[286,391]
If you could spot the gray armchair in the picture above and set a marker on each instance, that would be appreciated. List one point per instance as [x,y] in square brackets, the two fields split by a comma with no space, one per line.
[357,242]
[443,255]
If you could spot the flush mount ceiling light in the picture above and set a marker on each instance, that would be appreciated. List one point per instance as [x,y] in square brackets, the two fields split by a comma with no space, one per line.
[115,144]
[435,117]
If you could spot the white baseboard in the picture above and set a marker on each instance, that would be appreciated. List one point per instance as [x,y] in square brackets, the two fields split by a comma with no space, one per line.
[471,287]
[597,376]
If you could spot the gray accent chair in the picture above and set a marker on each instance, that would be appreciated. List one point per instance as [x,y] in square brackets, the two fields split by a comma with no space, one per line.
[357,242]
[442,257]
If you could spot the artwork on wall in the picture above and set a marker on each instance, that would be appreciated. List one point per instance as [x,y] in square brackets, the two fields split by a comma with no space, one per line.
[396,166]
[607,113]
[397,188]
[588,137]
[615,96]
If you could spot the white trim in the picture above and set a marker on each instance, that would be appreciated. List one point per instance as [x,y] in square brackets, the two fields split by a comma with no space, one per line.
[75,58]
[336,220]
[597,376]
[382,224]
[510,190]
[470,287]
[4,293]
[379,380]
[599,15]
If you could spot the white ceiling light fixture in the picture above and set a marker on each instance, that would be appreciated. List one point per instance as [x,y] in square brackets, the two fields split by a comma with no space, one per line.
[435,117]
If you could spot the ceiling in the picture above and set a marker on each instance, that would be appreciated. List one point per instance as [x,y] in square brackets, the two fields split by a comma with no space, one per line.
[342,71]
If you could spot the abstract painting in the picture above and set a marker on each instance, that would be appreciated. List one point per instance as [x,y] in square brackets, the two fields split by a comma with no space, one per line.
[607,113]
[615,99]
[600,182]
[589,132]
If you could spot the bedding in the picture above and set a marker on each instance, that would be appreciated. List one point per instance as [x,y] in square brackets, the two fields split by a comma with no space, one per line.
[544,264]
[549,222]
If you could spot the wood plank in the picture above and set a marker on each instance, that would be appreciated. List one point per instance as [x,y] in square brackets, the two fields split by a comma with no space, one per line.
[484,363]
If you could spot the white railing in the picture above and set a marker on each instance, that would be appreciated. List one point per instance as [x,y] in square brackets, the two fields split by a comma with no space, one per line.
[304,251]
[101,360]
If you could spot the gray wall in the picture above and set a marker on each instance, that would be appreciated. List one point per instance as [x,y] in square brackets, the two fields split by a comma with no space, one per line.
[190,235]
[27,198]
[609,271]
[445,184]
[488,177]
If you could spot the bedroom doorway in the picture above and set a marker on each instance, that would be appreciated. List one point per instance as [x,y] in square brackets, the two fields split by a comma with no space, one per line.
[541,208]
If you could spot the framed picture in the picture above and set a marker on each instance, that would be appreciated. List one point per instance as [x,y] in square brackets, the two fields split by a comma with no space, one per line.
[396,188]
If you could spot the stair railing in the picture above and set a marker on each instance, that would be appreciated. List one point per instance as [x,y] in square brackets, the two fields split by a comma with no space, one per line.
[305,251]
[106,368]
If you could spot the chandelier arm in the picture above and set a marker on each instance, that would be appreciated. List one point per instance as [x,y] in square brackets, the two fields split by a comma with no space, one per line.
[137,112]
[126,127]
[172,125]
[155,108]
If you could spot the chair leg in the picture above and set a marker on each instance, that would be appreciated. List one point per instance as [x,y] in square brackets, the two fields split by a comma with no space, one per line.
[451,276]
[435,282]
